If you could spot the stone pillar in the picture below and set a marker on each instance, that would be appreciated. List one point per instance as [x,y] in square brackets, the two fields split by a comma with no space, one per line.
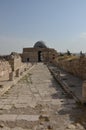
[17,73]
[11,76]
[84,92]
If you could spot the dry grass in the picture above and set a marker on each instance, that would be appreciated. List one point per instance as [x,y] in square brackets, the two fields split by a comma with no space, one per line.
[67,58]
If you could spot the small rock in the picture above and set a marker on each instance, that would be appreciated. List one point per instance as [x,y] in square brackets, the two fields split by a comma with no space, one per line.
[50,127]
[79,126]
[1,125]
[56,113]
[41,123]
[71,126]
[44,117]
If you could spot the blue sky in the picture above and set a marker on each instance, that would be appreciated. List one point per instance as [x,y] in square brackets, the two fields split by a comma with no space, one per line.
[61,24]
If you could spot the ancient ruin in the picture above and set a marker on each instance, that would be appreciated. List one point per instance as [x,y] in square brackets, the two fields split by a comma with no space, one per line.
[36,86]
[39,53]
[15,64]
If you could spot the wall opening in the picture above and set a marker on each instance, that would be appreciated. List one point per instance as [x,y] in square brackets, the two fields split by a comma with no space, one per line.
[39,56]
[28,59]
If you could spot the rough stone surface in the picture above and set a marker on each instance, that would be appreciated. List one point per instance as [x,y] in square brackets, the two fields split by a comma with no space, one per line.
[38,95]
[73,64]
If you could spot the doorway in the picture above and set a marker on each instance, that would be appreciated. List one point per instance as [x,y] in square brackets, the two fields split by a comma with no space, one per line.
[27,59]
[39,56]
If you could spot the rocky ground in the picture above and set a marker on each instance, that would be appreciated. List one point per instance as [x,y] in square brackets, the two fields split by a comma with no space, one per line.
[37,102]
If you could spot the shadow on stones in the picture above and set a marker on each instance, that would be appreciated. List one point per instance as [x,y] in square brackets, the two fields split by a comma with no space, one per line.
[75,111]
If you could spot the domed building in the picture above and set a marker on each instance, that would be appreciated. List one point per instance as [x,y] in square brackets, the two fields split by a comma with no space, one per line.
[39,53]
[40,44]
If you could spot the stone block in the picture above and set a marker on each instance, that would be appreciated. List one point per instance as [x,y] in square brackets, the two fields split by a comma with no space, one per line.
[11,76]
[17,73]
[28,117]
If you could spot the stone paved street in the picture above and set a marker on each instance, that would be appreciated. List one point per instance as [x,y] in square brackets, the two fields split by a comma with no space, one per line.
[37,102]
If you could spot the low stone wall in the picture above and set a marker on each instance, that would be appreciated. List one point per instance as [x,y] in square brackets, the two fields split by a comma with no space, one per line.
[12,68]
[75,66]
[20,71]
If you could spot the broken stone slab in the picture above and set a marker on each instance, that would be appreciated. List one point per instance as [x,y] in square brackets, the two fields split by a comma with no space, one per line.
[7,117]
[28,117]
[14,117]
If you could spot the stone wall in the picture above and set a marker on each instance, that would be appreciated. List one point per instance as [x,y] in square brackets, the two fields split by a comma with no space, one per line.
[15,62]
[72,64]
[52,55]
[32,54]
[11,66]
[5,69]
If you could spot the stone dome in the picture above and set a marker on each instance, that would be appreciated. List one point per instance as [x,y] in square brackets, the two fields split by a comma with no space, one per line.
[40,44]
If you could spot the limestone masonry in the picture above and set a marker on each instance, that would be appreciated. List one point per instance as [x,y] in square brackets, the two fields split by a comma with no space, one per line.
[15,64]
[39,53]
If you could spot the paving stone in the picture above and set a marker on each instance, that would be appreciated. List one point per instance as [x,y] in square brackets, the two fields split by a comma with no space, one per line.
[41,97]
[6,117]
[7,107]
[12,117]
[28,117]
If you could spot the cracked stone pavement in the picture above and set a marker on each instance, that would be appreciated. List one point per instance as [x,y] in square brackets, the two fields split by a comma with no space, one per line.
[37,102]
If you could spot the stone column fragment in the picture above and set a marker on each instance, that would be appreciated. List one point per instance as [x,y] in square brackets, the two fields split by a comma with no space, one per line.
[11,76]
[17,73]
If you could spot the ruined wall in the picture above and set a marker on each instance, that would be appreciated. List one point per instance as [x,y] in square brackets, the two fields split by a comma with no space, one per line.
[73,65]
[15,63]
[5,69]
[52,55]
[11,64]
[32,54]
